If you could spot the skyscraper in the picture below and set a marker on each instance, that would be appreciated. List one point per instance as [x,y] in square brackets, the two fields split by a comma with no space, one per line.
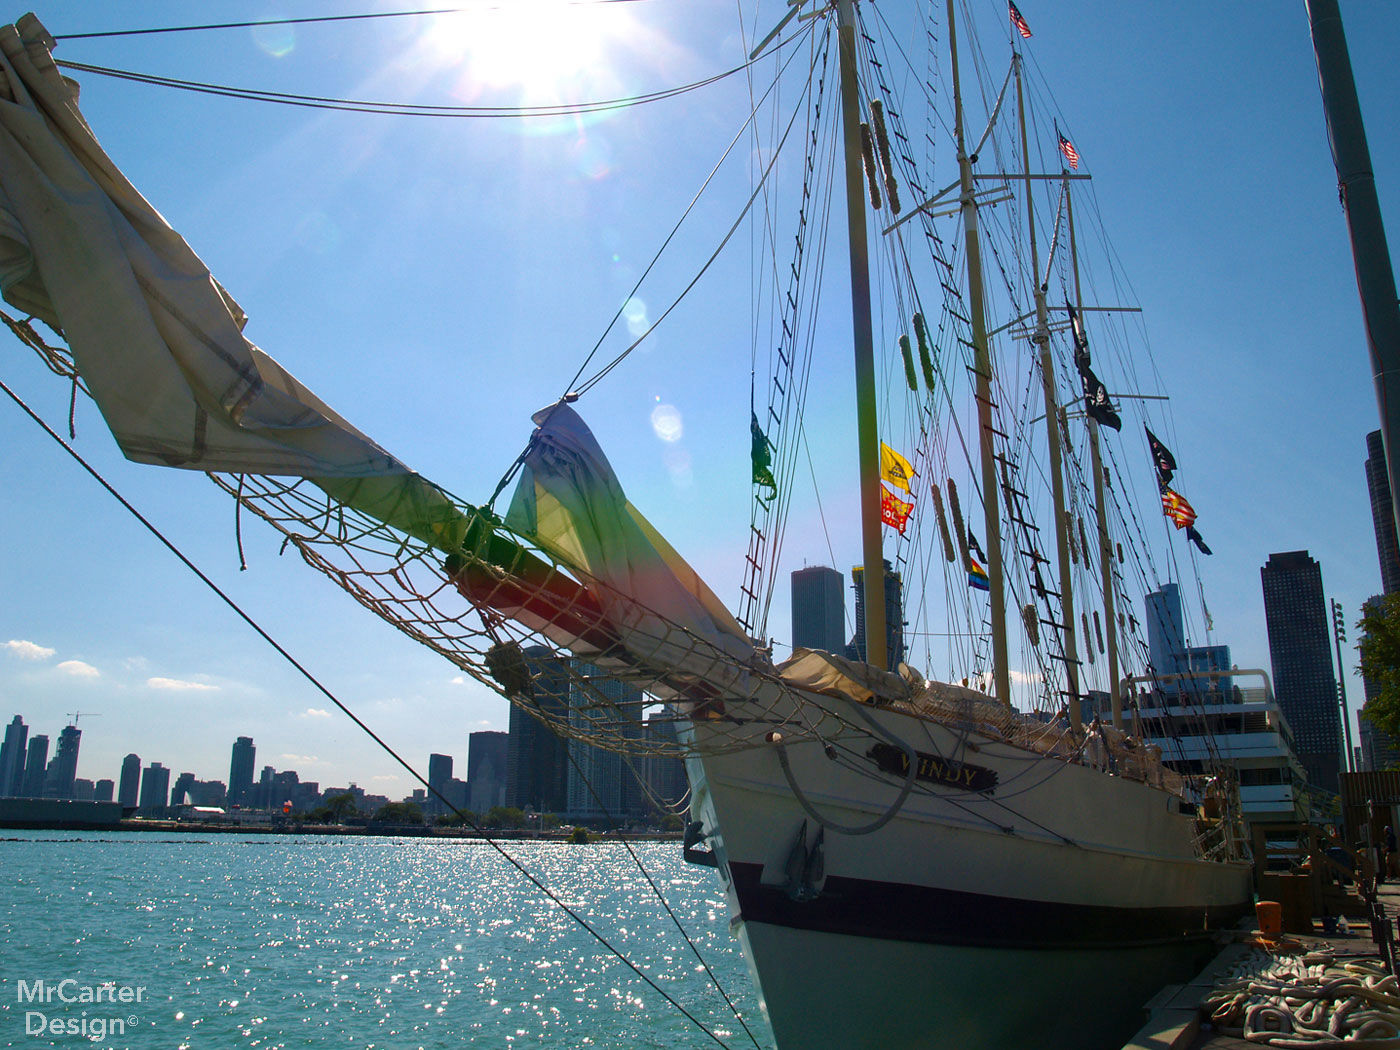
[12,757]
[439,773]
[1300,650]
[102,791]
[1166,637]
[818,609]
[129,789]
[1382,513]
[601,785]
[487,756]
[63,770]
[155,789]
[240,771]
[537,760]
[36,760]
[1169,653]
[894,617]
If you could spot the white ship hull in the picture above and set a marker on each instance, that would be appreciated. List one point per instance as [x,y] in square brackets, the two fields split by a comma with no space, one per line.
[1042,912]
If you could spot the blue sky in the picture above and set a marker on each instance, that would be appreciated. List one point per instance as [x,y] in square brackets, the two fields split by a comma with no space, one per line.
[438,280]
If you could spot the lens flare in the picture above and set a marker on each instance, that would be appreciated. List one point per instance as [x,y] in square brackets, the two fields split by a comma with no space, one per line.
[666,423]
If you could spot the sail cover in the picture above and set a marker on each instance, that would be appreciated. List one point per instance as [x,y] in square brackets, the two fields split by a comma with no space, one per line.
[569,501]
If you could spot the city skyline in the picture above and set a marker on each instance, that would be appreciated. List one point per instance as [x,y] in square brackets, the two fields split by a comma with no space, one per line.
[1249,293]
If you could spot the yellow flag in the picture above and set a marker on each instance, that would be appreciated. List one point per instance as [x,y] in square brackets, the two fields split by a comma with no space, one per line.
[894,468]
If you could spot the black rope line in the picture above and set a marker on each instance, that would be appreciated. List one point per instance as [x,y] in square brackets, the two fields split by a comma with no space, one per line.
[399,109]
[324,691]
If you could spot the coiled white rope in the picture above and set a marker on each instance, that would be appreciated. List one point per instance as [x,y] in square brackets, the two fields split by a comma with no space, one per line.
[1311,1002]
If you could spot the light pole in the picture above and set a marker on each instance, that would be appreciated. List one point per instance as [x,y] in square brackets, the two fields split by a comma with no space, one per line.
[1339,633]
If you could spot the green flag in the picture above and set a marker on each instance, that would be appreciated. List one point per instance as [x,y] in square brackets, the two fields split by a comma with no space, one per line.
[761,454]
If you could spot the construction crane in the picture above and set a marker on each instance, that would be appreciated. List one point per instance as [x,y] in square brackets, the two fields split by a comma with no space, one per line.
[73,716]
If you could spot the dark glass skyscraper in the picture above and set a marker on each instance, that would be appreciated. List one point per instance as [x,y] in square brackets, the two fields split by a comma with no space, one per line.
[818,609]
[488,754]
[1382,513]
[155,789]
[1300,650]
[537,761]
[12,757]
[894,617]
[63,770]
[439,773]
[129,788]
[240,772]
[36,762]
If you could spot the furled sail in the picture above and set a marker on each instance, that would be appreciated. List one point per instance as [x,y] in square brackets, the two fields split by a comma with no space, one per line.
[83,251]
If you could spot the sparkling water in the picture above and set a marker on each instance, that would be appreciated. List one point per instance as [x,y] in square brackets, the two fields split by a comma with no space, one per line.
[116,939]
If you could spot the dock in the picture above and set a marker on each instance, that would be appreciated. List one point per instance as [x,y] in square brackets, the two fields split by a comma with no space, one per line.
[1175,1019]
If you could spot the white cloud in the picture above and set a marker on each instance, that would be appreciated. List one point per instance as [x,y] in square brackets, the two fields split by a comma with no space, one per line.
[384,777]
[180,684]
[315,712]
[28,650]
[78,669]
[305,760]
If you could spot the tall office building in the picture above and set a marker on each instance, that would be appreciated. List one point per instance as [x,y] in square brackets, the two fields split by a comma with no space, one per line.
[103,790]
[12,757]
[155,789]
[439,773]
[665,774]
[1382,513]
[894,617]
[1169,653]
[487,756]
[240,772]
[129,788]
[818,609]
[537,760]
[63,770]
[1300,650]
[602,786]
[36,760]
[1166,635]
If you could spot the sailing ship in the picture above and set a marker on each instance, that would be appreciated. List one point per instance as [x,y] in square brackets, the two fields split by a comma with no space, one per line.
[907,861]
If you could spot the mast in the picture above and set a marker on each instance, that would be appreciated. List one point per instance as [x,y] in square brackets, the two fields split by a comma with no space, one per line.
[1375,279]
[867,424]
[1001,676]
[1052,430]
[1101,511]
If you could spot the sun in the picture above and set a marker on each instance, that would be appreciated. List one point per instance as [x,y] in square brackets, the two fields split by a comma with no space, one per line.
[542,51]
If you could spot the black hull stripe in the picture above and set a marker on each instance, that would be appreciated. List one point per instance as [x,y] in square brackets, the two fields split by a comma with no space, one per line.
[903,912]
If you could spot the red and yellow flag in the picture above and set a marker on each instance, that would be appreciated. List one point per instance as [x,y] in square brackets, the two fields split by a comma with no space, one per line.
[1174,506]
[894,511]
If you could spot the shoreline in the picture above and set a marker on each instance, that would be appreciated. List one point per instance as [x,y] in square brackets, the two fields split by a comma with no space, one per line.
[296,828]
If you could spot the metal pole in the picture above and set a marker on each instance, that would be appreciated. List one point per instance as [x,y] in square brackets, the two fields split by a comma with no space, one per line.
[1339,633]
[1375,280]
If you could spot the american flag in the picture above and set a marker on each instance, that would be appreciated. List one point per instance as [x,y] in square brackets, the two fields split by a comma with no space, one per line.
[1020,23]
[1071,154]
[1174,506]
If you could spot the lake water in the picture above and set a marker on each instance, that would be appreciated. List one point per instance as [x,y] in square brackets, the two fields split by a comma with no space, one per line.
[274,941]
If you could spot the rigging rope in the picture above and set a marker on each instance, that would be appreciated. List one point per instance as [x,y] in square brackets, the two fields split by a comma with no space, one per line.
[298,21]
[400,109]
